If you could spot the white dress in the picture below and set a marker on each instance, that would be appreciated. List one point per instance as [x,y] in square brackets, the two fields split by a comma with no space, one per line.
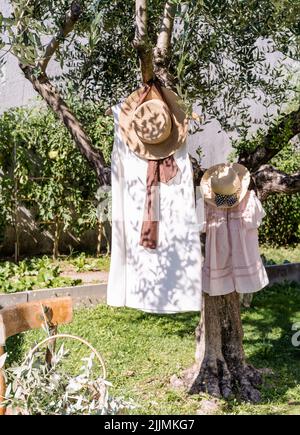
[162,280]
[232,259]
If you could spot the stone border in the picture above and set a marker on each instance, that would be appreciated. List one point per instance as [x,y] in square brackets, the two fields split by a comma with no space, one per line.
[91,294]
[279,273]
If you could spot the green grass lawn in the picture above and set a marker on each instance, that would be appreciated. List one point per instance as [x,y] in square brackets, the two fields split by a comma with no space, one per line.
[142,351]
[281,254]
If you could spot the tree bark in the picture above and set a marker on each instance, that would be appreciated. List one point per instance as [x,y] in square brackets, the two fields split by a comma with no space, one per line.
[221,369]
[71,18]
[274,140]
[141,40]
[50,94]
[162,50]
[269,180]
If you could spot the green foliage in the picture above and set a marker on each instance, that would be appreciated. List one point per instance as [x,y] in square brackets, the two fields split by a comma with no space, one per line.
[43,169]
[83,263]
[279,255]
[281,226]
[34,388]
[44,272]
[221,42]
[215,56]
[32,274]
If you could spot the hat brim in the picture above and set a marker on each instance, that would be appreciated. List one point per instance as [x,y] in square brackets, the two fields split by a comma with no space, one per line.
[154,151]
[209,195]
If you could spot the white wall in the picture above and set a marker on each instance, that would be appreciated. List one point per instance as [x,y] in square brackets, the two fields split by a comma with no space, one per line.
[15,90]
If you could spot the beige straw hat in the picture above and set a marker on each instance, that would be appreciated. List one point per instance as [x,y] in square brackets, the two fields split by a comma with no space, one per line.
[156,127]
[225,185]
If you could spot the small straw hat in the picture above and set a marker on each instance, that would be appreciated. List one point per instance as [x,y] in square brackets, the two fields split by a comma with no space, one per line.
[225,185]
[153,127]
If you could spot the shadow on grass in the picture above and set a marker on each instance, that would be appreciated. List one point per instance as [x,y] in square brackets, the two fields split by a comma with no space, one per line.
[15,350]
[268,334]
[181,324]
[268,338]
[123,334]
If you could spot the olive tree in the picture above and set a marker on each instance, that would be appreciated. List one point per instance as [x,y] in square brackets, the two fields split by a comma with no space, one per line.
[214,53]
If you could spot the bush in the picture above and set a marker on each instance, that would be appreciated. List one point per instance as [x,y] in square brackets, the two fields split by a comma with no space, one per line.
[35,273]
[41,167]
[281,226]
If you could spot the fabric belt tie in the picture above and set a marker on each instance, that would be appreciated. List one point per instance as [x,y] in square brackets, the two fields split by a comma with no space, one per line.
[159,171]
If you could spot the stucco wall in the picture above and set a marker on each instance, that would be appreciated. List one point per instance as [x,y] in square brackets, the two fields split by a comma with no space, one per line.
[15,90]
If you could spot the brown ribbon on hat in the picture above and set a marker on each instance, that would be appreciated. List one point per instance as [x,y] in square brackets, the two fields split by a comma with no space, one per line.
[159,171]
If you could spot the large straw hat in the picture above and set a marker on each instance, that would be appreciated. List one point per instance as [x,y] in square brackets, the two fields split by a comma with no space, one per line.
[156,127]
[225,185]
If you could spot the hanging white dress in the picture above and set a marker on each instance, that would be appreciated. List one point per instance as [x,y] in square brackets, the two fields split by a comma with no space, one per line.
[162,280]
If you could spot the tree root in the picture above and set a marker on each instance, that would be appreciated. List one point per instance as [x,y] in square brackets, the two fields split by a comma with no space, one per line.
[215,379]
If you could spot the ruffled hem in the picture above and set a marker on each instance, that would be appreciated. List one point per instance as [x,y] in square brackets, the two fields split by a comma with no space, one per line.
[248,279]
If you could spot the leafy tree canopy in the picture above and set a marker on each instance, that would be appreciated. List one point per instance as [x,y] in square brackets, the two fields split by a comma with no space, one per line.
[220,54]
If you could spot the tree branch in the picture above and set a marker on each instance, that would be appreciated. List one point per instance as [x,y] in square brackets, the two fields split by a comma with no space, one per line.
[269,180]
[198,171]
[266,181]
[162,51]
[71,18]
[141,40]
[273,142]
[50,94]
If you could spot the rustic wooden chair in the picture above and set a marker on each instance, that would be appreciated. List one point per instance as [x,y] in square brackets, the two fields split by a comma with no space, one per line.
[32,315]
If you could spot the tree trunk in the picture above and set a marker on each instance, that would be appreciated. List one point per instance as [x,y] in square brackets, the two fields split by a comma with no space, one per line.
[55,251]
[141,40]
[221,369]
[162,50]
[51,96]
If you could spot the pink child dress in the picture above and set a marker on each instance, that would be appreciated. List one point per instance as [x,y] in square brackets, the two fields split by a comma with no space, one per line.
[232,260]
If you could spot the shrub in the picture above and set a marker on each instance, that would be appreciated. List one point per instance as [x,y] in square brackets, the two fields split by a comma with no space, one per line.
[32,274]
[41,167]
[281,226]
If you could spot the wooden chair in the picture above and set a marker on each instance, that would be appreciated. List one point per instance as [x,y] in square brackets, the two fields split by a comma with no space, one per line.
[32,315]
